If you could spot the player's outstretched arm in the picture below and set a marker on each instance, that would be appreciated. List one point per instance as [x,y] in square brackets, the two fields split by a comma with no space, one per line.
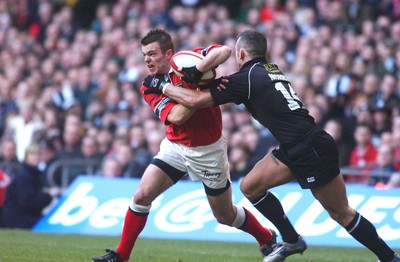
[186,97]
[189,97]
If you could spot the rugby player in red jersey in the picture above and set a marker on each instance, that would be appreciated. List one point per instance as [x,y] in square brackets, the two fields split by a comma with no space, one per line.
[193,146]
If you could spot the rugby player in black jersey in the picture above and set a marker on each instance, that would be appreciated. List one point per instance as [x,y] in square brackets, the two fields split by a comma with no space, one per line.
[306,153]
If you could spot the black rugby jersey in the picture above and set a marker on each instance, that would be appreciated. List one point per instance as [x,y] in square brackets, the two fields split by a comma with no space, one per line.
[269,97]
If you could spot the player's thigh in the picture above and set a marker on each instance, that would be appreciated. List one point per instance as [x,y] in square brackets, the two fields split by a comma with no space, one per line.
[269,172]
[333,198]
[222,205]
[209,164]
[153,182]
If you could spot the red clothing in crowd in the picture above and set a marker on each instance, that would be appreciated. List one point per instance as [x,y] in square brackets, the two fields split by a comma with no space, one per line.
[362,158]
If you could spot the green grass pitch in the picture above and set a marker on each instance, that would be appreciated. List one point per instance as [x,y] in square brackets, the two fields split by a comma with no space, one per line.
[20,245]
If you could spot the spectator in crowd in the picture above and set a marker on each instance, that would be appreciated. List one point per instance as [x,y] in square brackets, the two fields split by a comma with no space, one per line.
[24,126]
[340,85]
[25,199]
[51,121]
[370,85]
[318,77]
[9,163]
[70,151]
[363,155]
[334,128]
[386,96]
[396,140]
[104,139]
[238,161]
[137,138]
[127,159]
[118,141]
[240,116]
[48,156]
[381,119]
[94,112]
[394,181]
[84,86]
[138,143]
[63,95]
[123,114]
[154,138]
[90,149]
[316,112]
[357,112]
[5,180]
[111,168]
[257,145]
[90,159]
[8,106]
[385,167]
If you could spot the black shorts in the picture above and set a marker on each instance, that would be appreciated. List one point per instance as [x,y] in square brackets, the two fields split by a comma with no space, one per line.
[314,160]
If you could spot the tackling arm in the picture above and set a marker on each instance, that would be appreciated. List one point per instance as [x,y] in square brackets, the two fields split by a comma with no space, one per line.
[166,111]
[188,97]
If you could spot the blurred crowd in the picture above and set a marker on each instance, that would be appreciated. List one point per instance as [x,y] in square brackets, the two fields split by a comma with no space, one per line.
[70,72]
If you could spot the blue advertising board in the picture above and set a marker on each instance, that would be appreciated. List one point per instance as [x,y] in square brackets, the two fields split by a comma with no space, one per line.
[97,206]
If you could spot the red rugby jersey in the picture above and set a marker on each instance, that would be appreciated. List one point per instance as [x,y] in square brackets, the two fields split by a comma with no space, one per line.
[204,127]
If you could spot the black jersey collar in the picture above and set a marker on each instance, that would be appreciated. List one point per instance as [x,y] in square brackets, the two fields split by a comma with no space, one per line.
[253,61]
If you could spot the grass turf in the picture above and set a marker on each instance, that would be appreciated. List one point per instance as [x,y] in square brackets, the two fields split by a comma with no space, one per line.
[20,245]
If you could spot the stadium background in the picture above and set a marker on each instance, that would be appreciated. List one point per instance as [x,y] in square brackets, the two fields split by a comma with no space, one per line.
[81,60]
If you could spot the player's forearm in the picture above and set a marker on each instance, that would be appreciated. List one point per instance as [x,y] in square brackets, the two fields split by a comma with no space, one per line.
[179,114]
[188,97]
[214,58]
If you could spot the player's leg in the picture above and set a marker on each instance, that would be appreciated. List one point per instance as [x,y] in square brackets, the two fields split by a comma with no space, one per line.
[163,172]
[270,172]
[236,216]
[209,164]
[333,198]
[153,182]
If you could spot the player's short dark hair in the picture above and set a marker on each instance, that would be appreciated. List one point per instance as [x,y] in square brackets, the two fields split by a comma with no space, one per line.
[254,43]
[161,37]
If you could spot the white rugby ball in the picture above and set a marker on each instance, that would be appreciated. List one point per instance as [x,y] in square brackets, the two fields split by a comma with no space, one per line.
[189,59]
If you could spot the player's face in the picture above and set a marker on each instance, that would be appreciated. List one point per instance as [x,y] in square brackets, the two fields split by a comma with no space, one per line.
[157,62]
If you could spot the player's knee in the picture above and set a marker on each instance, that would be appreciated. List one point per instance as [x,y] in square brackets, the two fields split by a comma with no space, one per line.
[225,219]
[337,217]
[249,194]
[243,187]
[342,217]
[225,216]
[141,198]
[221,219]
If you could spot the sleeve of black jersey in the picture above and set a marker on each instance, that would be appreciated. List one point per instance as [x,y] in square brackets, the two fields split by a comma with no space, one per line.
[236,91]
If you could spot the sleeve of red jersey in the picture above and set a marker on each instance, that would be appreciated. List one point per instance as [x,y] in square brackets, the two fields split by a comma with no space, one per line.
[160,104]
